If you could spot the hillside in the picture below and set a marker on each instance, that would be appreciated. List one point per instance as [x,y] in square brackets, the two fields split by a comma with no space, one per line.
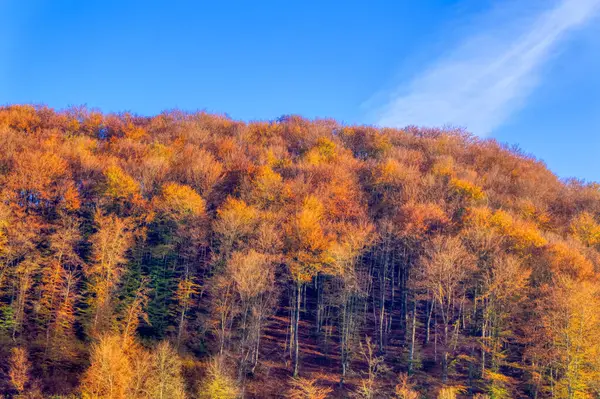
[191,255]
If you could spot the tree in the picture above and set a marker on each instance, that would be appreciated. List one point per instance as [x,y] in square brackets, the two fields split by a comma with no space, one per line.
[110,374]
[307,255]
[186,291]
[19,368]
[180,201]
[110,243]
[572,325]
[445,267]
[218,384]
[253,277]
[405,389]
[448,393]
[375,369]
[503,291]
[303,388]
[121,369]
[119,232]
[24,273]
[165,379]
[236,222]
[59,287]
[199,168]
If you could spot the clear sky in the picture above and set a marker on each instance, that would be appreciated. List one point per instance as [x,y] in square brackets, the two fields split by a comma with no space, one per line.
[523,71]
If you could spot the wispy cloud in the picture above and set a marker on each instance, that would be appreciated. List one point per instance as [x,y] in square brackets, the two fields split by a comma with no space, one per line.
[490,74]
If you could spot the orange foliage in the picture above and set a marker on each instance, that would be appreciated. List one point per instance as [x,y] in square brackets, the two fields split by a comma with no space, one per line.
[20,117]
[134,132]
[390,172]
[353,230]
[19,368]
[72,199]
[417,219]
[566,260]
[38,175]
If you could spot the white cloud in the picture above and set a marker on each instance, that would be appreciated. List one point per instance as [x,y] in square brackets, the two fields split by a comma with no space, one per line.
[490,74]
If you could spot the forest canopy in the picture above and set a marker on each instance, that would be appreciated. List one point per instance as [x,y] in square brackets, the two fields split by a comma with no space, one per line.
[191,255]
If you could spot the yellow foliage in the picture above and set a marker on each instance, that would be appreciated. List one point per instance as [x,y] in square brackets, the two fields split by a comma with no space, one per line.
[309,230]
[523,234]
[161,151]
[392,172]
[389,172]
[449,392]
[310,243]
[323,151]
[109,246]
[119,371]
[133,132]
[502,220]
[586,229]
[529,211]
[326,148]
[251,273]
[479,216]
[466,189]
[404,389]
[263,131]
[165,379]
[218,384]
[443,166]
[110,373]
[119,184]
[186,289]
[572,322]
[267,184]
[235,216]
[236,221]
[311,213]
[181,200]
[304,388]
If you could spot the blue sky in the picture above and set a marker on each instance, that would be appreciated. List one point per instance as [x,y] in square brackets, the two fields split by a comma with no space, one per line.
[522,71]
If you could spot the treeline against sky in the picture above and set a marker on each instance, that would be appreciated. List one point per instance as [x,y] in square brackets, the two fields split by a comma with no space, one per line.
[191,255]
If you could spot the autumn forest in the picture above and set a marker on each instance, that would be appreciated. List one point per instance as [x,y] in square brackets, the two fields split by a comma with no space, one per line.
[189,255]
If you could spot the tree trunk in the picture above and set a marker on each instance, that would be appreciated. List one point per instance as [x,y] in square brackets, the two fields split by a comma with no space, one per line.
[296,322]
[428,330]
[411,358]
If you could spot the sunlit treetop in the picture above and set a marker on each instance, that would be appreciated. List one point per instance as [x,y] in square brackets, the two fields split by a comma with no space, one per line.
[181,200]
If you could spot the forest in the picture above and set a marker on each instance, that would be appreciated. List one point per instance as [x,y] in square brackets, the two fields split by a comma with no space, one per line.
[190,255]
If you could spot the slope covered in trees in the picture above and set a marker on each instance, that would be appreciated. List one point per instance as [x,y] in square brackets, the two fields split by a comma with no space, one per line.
[190,255]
